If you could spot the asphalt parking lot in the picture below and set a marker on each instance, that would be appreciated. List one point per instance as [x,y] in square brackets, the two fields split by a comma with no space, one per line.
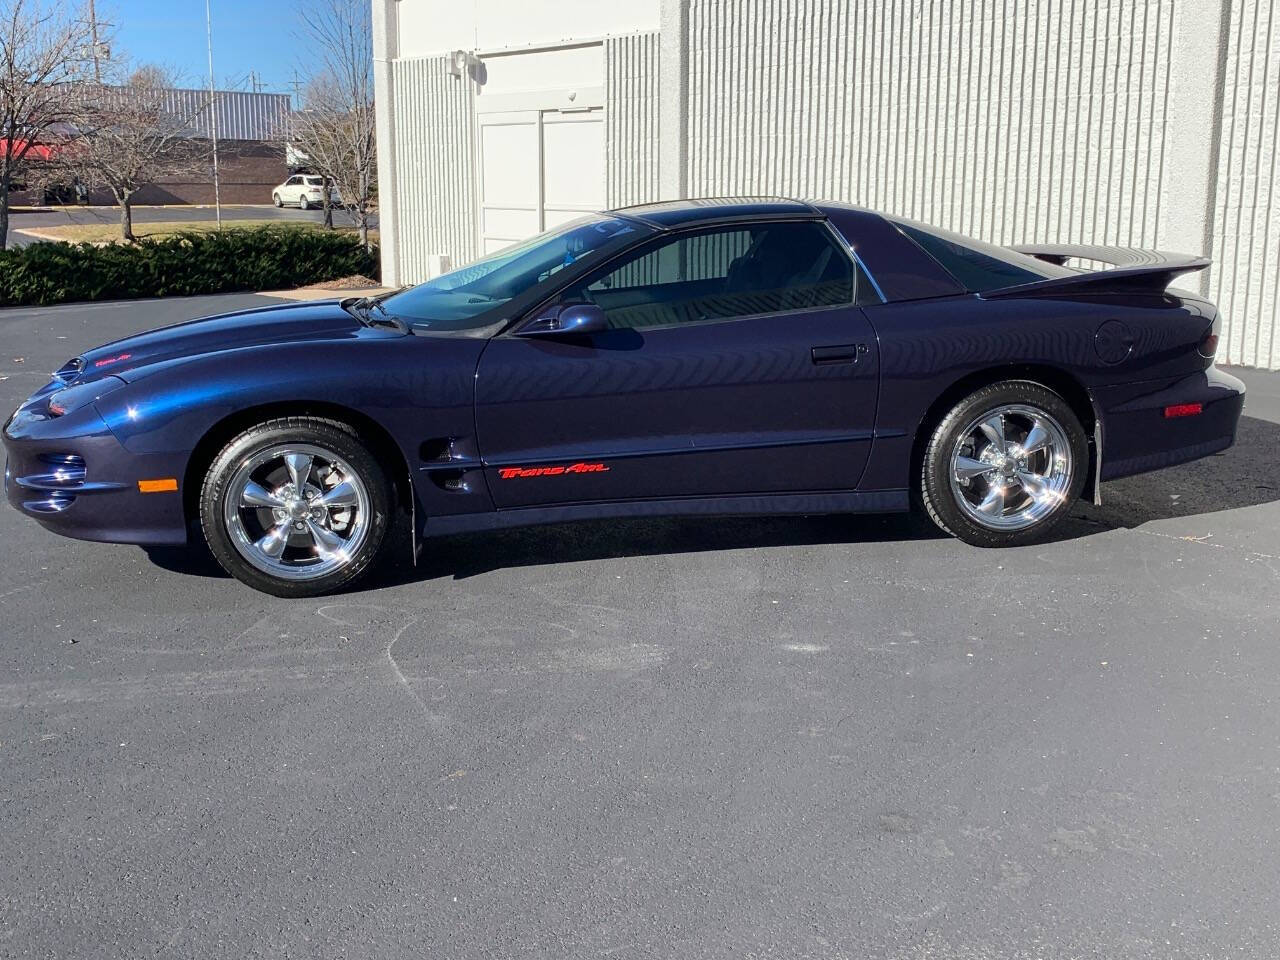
[826,737]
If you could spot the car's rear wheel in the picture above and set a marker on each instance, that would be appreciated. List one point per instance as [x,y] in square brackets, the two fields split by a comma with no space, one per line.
[296,507]
[1004,465]
[303,203]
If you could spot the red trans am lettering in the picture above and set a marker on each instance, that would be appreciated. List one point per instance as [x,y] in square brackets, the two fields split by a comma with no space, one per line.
[115,359]
[511,473]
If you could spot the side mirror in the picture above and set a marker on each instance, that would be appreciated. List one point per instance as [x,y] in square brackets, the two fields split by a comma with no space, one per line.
[568,320]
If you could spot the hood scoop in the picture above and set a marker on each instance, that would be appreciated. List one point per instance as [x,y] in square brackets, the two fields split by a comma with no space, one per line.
[69,370]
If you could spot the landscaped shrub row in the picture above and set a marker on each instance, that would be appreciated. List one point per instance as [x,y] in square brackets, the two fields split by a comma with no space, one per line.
[261,258]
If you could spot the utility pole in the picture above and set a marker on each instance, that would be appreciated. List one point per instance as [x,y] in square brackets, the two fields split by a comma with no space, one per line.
[97,48]
[213,115]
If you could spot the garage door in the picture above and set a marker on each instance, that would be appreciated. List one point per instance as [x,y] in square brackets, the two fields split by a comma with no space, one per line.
[538,170]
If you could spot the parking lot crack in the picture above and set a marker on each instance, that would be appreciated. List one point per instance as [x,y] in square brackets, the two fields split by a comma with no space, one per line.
[435,718]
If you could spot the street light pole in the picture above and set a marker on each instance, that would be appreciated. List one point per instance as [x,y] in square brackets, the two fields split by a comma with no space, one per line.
[213,115]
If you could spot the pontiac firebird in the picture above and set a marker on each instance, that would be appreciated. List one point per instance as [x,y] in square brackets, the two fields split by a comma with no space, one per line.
[705,357]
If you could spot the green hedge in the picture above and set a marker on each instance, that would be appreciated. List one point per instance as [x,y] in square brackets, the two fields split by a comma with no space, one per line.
[259,258]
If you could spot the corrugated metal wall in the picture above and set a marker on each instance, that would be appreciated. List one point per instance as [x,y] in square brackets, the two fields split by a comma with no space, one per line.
[1009,121]
[1245,281]
[241,116]
[435,125]
[631,119]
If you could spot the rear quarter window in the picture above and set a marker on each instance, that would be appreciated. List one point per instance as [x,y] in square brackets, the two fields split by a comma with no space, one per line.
[977,266]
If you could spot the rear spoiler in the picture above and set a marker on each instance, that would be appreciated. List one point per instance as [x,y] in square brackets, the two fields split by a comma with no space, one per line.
[1133,271]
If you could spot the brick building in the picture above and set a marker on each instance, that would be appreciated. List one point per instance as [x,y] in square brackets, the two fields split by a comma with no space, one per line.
[252,130]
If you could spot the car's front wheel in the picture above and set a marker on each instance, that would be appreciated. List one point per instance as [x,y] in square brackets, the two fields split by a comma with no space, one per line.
[275,198]
[296,507]
[1004,465]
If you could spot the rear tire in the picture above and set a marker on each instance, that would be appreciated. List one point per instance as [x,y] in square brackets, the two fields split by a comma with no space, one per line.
[296,507]
[303,204]
[1005,465]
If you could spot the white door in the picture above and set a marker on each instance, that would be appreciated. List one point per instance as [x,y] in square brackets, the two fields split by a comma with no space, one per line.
[572,165]
[537,170]
[510,176]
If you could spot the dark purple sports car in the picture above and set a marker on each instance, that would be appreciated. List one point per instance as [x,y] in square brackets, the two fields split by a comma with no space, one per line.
[697,357]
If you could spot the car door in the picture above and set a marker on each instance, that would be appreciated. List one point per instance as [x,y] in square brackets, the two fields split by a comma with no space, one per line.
[292,192]
[737,361]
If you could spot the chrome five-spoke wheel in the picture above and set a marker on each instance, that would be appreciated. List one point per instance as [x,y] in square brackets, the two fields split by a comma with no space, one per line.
[297,511]
[1011,467]
[1005,464]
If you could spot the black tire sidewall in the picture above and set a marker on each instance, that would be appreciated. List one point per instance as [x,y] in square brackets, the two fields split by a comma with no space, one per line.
[331,435]
[935,474]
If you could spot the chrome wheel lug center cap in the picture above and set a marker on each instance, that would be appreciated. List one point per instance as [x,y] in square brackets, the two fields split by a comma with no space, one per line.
[278,512]
[1006,447]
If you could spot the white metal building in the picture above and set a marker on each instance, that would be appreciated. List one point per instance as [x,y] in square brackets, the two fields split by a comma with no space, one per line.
[1149,123]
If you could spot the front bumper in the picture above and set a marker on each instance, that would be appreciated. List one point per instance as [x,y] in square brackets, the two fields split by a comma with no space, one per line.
[1138,437]
[72,476]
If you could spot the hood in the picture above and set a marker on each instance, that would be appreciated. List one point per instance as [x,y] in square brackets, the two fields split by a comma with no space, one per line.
[289,323]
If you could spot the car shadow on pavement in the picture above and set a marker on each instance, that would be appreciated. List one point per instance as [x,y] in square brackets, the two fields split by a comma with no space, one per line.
[466,556]
[1247,474]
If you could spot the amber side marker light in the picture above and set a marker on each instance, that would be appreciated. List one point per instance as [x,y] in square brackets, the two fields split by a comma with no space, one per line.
[1183,410]
[164,485]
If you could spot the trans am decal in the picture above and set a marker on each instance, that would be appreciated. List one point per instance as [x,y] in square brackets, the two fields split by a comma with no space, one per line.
[511,473]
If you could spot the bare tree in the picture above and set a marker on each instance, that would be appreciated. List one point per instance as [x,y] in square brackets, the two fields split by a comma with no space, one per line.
[134,134]
[335,126]
[44,44]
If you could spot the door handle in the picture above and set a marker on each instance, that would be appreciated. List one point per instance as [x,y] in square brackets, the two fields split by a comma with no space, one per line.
[843,353]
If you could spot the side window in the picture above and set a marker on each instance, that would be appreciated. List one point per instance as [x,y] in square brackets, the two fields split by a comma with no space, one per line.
[293,181]
[720,274]
[973,269]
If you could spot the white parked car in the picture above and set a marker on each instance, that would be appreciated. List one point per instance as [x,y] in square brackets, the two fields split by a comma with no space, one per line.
[304,191]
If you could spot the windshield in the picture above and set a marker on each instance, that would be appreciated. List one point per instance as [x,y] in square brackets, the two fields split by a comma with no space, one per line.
[467,299]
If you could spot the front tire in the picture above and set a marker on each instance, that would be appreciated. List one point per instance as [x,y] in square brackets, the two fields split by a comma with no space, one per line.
[1005,465]
[275,198]
[296,507]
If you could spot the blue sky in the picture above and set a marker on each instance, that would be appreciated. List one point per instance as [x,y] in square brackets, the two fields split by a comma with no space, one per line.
[257,35]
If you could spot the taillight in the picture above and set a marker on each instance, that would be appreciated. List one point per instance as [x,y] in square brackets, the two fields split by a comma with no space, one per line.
[1183,410]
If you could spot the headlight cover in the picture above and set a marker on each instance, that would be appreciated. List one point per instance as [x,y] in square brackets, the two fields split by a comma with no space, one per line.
[73,398]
